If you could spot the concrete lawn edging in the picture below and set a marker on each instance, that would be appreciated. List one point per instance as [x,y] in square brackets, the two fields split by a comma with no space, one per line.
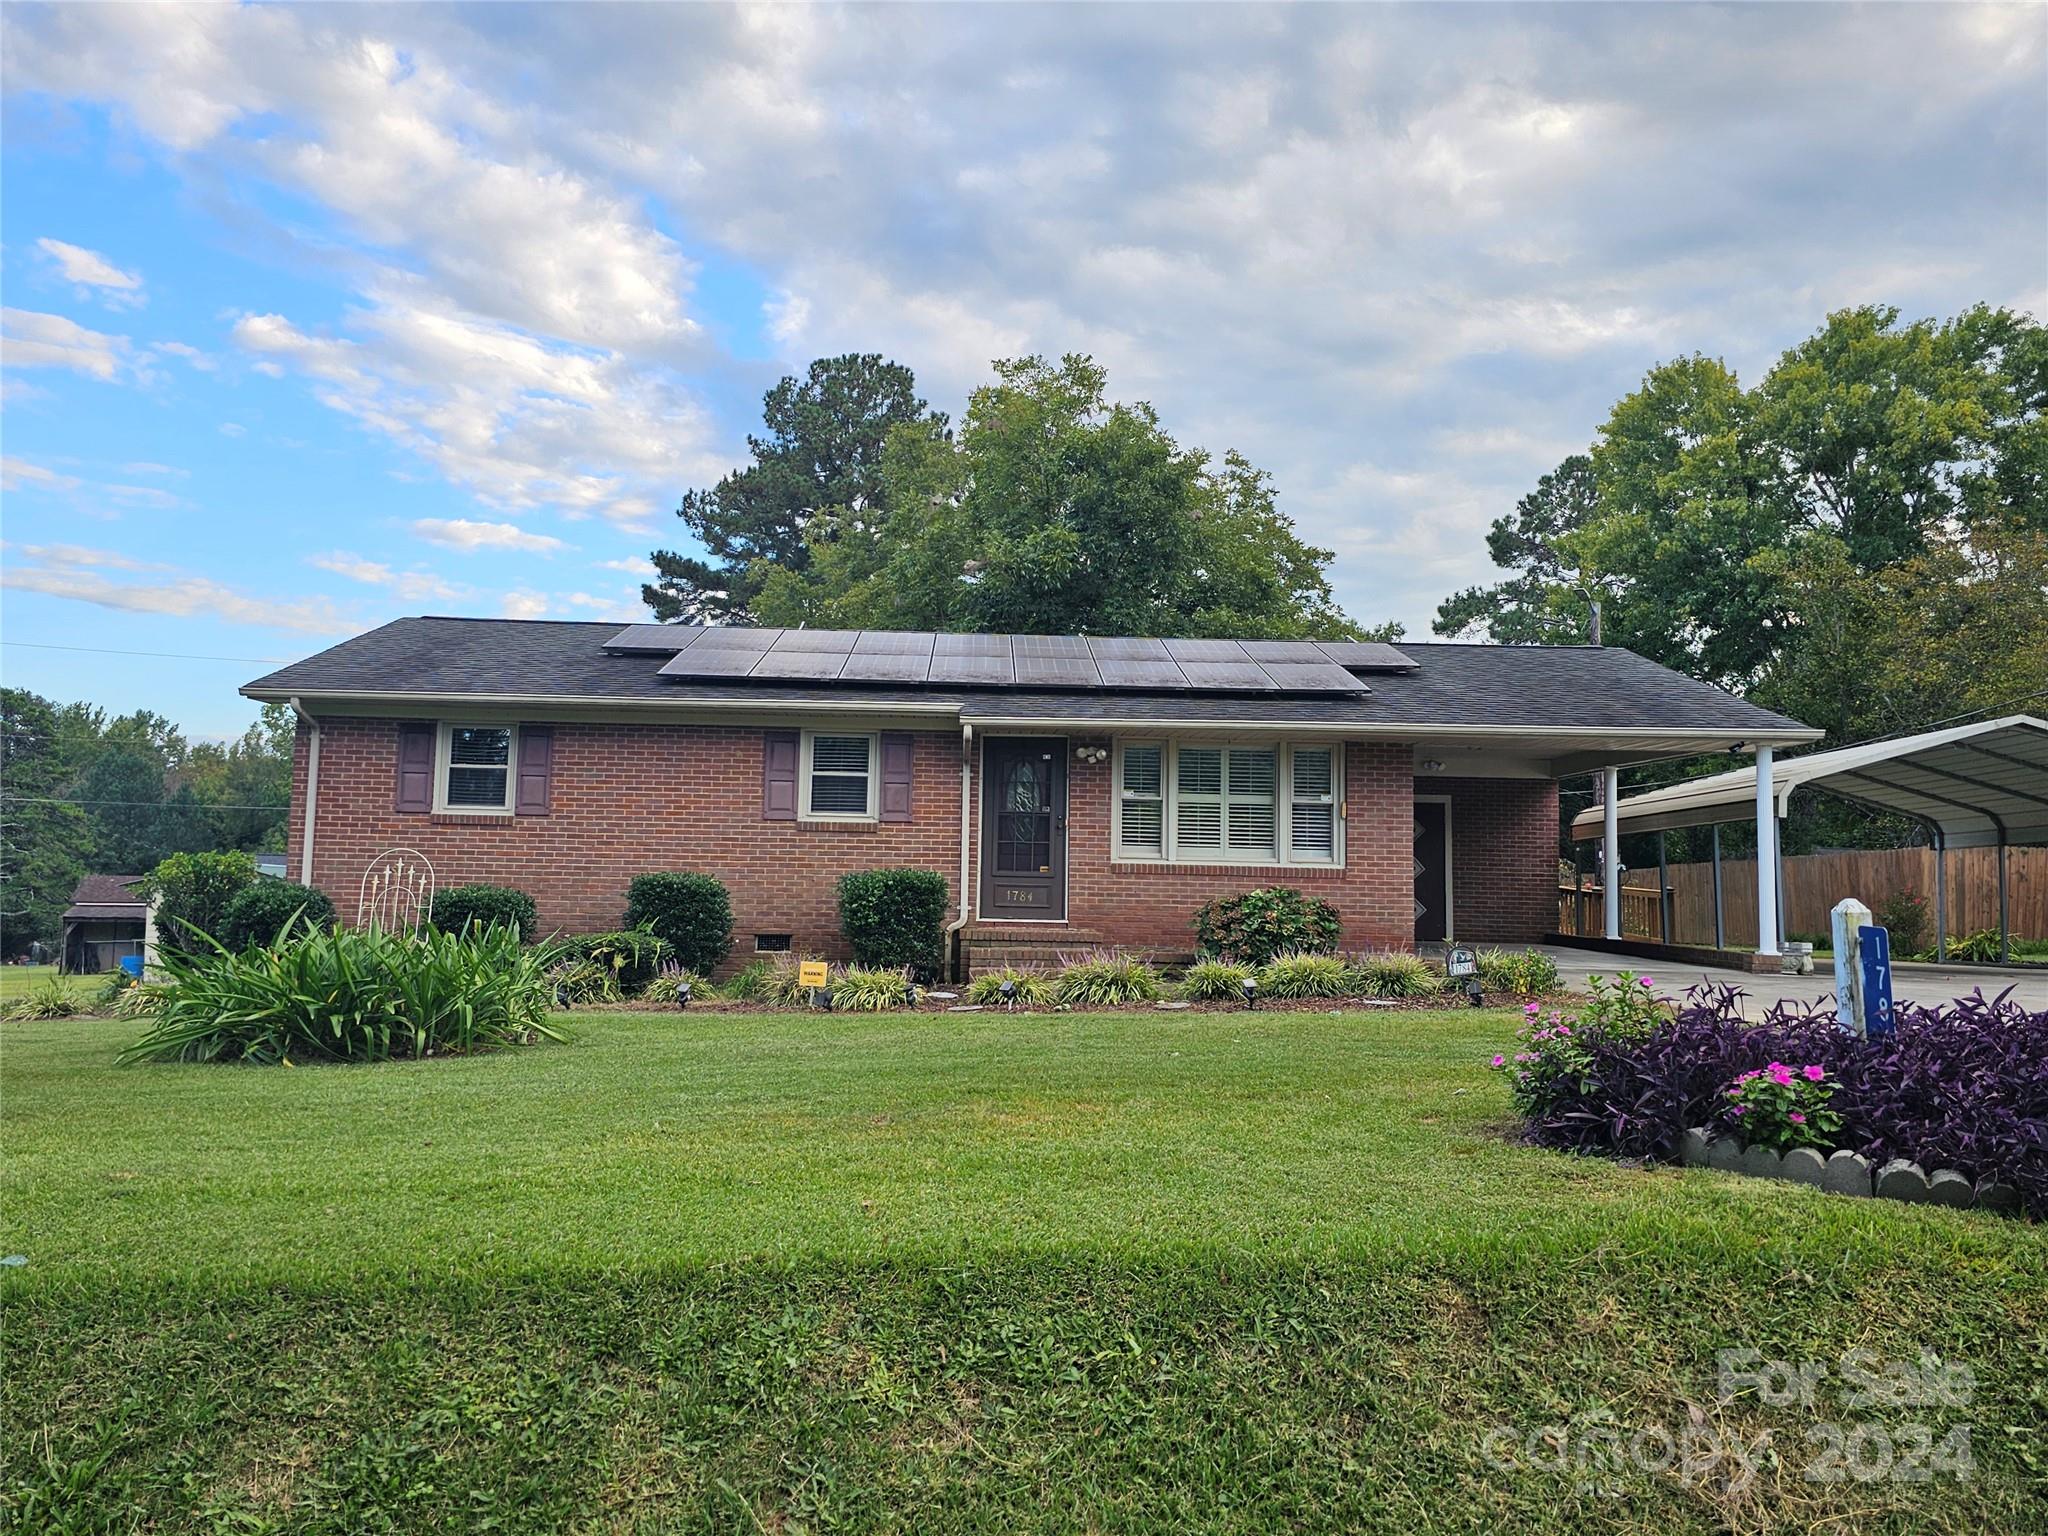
[1848,1173]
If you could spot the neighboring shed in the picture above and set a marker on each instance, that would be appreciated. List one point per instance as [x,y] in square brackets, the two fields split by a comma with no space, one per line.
[106,923]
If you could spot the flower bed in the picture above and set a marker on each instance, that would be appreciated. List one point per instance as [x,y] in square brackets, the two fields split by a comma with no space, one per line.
[1961,1088]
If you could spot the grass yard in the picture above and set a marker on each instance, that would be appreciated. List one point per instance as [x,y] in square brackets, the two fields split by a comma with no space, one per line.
[20,980]
[1159,1272]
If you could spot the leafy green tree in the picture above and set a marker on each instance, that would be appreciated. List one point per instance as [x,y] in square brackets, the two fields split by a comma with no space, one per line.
[1055,511]
[43,842]
[816,476]
[1549,597]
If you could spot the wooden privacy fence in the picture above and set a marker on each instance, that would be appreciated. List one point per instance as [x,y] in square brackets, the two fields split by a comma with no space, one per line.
[1815,882]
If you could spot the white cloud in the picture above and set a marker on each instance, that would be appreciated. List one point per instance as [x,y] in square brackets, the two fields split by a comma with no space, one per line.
[79,575]
[410,585]
[31,339]
[522,605]
[233,429]
[94,275]
[20,475]
[147,467]
[191,356]
[636,565]
[469,536]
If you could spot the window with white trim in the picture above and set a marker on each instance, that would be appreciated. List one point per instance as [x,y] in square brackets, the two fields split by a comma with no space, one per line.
[473,769]
[1215,803]
[839,776]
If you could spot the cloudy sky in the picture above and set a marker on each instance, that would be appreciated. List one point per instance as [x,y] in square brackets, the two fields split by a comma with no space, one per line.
[315,317]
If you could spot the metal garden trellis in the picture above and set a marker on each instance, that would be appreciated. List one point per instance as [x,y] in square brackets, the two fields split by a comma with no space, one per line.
[397,891]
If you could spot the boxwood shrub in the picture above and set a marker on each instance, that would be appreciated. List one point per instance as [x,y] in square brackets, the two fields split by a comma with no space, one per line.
[1256,927]
[692,912]
[483,905]
[256,913]
[192,892]
[895,917]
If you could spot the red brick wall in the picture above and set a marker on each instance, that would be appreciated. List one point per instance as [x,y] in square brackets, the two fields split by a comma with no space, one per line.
[1503,857]
[627,799]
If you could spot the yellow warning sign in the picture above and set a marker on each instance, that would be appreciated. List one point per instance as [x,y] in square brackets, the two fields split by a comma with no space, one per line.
[810,973]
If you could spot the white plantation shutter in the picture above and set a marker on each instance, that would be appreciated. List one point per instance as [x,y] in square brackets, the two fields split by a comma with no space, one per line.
[1198,800]
[1251,797]
[479,766]
[1312,810]
[1141,824]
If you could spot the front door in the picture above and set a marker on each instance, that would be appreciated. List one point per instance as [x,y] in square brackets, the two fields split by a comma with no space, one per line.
[1024,828]
[1432,871]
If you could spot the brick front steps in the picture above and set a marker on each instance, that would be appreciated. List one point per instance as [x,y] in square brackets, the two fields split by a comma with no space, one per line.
[1039,946]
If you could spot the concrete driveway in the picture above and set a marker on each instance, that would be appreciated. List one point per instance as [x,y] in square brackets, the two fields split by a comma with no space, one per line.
[1910,983]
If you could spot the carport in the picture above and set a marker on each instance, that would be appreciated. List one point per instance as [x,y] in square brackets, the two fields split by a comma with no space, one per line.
[1983,785]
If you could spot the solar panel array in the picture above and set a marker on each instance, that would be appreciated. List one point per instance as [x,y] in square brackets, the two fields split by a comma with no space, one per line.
[1008,661]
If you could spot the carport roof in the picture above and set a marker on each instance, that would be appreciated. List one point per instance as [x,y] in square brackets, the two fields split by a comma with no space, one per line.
[1979,784]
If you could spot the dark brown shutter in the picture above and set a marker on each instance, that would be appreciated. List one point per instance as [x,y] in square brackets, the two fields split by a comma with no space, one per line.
[779,753]
[536,764]
[415,767]
[896,754]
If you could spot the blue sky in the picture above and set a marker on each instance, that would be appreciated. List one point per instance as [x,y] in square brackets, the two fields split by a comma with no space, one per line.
[320,316]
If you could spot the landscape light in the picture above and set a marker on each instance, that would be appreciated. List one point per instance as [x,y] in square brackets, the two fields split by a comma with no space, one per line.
[1251,992]
[1009,991]
[682,994]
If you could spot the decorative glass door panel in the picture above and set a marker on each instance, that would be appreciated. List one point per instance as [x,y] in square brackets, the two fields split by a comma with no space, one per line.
[1024,829]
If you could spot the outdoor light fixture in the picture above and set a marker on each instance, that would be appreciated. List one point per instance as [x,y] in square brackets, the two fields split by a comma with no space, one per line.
[1089,753]
[1432,765]
[1251,992]
[682,994]
[1009,991]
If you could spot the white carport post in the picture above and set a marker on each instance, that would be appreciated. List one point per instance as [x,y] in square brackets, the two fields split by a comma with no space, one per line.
[1610,856]
[1766,857]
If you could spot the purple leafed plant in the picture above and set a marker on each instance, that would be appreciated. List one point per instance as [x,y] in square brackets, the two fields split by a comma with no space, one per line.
[1964,1086]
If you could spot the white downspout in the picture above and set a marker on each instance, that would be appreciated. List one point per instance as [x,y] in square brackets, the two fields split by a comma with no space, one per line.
[312,790]
[966,831]
[1610,853]
[1766,856]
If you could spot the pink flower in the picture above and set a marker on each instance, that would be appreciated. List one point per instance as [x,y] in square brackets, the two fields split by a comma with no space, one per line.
[1815,1074]
[1646,981]
[1742,1109]
[1781,1074]
[1533,1009]
[1500,1061]
[1564,1029]
[1797,1118]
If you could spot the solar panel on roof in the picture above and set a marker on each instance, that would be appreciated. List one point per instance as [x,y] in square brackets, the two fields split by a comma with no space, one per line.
[1246,675]
[1156,673]
[1297,651]
[1050,645]
[992,671]
[1122,648]
[1321,677]
[655,639]
[894,642]
[830,642]
[885,667]
[971,645]
[1205,650]
[806,666]
[1365,656]
[729,639]
[712,661]
[1057,671]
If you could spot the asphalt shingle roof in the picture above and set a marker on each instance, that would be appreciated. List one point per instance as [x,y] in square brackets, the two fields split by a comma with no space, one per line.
[1451,685]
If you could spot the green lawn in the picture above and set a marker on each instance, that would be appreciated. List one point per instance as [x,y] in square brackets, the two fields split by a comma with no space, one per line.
[20,980]
[1242,1272]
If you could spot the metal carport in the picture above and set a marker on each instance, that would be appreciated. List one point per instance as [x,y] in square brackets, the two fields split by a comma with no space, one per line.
[1983,785]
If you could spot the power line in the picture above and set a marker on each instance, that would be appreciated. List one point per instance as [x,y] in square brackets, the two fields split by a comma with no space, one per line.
[101,650]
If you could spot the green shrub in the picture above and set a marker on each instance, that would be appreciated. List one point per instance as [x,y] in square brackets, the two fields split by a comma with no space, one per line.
[1904,913]
[1104,979]
[1034,989]
[692,912]
[1291,976]
[350,995]
[895,917]
[1980,947]
[257,913]
[667,988]
[49,998]
[482,905]
[1210,981]
[629,957]
[1395,973]
[866,990]
[137,1000]
[1254,927]
[1522,972]
[573,980]
[192,892]
[750,983]
[781,983]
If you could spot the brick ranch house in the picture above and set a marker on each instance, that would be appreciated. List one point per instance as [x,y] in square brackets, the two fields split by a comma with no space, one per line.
[1078,791]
